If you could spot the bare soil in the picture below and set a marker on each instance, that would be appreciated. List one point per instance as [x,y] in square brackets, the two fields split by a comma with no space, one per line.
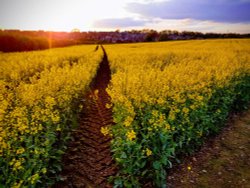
[224,161]
[88,160]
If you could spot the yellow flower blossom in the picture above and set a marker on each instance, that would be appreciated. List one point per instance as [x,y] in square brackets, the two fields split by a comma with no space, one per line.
[155,113]
[55,118]
[58,128]
[17,165]
[50,102]
[128,121]
[131,135]
[44,170]
[185,110]
[168,127]
[192,107]
[160,101]
[199,98]
[108,106]
[171,116]
[148,152]
[20,151]
[105,131]
[18,184]
[33,179]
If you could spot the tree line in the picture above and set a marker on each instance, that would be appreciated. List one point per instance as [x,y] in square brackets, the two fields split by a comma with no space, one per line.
[16,40]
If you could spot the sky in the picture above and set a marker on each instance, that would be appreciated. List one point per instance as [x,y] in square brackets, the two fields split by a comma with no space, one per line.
[105,15]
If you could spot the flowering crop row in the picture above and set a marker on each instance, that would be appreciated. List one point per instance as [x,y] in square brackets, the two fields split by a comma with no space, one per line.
[16,67]
[167,97]
[39,98]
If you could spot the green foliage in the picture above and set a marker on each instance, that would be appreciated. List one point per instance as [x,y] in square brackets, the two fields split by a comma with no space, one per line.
[136,167]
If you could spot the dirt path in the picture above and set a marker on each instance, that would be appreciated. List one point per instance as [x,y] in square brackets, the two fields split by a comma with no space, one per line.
[88,160]
[224,161]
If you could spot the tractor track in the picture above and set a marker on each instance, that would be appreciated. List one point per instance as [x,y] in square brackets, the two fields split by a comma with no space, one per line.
[88,160]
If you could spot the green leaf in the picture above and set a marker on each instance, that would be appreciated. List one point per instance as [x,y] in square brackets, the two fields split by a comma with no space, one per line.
[144,172]
[156,165]
[118,182]
[143,163]
[123,155]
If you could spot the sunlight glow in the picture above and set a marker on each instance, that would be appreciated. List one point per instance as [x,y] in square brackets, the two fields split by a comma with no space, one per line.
[59,14]
[97,15]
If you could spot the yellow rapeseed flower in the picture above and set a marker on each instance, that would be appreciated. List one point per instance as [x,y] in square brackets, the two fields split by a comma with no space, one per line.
[17,185]
[17,165]
[185,110]
[131,135]
[199,98]
[105,131]
[33,179]
[148,152]
[44,170]
[108,106]
[50,101]
[128,121]
[20,151]
[168,127]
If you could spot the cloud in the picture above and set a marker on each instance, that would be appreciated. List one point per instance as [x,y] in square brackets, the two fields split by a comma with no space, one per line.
[118,23]
[230,11]
[198,25]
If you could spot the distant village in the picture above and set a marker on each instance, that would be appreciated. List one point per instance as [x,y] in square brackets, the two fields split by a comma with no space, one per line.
[147,35]
[16,40]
